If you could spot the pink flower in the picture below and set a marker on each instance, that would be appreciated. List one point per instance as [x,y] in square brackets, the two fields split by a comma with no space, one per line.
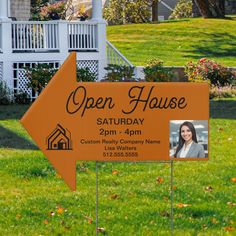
[202,60]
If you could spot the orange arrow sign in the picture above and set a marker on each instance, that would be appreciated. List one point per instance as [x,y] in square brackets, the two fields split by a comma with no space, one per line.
[72,121]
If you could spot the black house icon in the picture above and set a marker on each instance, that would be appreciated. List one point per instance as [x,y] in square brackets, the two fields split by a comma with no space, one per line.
[59,139]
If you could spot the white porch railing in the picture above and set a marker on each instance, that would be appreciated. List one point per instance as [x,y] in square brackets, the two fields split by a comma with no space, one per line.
[115,57]
[0,37]
[48,41]
[44,36]
[28,36]
[82,36]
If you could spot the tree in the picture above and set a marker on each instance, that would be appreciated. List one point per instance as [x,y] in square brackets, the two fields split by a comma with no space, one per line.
[211,8]
[154,5]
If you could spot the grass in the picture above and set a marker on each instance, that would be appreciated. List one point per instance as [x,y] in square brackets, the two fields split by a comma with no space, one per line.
[34,200]
[177,42]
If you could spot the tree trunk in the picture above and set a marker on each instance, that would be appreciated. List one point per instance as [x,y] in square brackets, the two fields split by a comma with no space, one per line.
[195,10]
[218,7]
[155,11]
[211,8]
[222,6]
[203,6]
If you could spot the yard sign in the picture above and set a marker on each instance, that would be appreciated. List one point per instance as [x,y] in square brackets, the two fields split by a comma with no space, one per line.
[73,121]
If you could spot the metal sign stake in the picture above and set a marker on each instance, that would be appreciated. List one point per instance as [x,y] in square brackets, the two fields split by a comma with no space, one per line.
[96,198]
[172,198]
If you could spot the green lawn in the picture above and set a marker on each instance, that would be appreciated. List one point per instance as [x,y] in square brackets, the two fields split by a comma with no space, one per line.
[34,200]
[177,42]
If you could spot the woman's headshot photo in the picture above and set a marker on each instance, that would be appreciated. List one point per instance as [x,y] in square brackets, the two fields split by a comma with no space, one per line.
[189,139]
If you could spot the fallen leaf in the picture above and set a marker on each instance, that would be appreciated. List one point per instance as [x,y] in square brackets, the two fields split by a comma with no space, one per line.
[18,216]
[114,196]
[67,228]
[115,172]
[165,214]
[231,203]
[204,226]
[51,213]
[214,221]
[165,198]
[46,222]
[220,129]
[101,230]
[159,180]
[229,228]
[89,219]
[208,188]
[174,187]
[231,222]
[60,210]
[233,180]
[181,205]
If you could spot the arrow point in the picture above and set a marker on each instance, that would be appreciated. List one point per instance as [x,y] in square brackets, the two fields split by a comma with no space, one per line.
[66,169]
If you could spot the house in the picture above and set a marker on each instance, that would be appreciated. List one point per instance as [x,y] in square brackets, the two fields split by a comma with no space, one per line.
[19,9]
[59,139]
[26,43]
[230,7]
[165,8]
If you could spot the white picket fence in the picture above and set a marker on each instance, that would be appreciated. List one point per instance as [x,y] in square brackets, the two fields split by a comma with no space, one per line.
[44,36]
[28,36]
[82,36]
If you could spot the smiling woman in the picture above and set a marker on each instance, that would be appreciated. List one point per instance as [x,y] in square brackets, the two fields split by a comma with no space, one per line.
[188,143]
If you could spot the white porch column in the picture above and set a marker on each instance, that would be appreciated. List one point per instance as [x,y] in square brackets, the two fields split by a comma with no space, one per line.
[4,9]
[96,9]
[101,36]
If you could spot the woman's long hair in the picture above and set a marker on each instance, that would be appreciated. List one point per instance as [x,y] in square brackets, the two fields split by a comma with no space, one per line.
[181,140]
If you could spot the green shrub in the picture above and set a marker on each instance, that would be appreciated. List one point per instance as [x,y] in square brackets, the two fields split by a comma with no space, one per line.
[222,92]
[119,73]
[119,12]
[22,98]
[210,71]
[85,75]
[36,5]
[155,72]
[39,76]
[5,94]
[53,11]
[183,9]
